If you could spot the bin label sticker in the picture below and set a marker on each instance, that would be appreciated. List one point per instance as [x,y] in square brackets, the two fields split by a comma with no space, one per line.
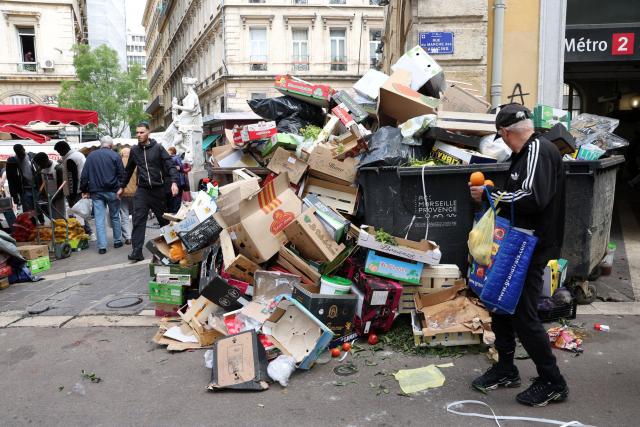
[441,213]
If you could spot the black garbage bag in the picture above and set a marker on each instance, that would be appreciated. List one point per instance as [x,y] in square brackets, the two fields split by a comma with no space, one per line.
[386,149]
[290,114]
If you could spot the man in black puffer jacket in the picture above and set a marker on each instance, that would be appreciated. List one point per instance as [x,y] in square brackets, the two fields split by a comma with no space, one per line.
[155,171]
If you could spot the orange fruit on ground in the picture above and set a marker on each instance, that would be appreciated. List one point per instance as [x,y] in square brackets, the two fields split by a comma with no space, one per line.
[477,179]
[489,182]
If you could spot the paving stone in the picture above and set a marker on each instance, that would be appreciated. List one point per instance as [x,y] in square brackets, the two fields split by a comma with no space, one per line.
[115,321]
[7,320]
[41,321]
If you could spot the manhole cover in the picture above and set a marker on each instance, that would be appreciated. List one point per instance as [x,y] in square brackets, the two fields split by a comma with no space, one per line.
[124,302]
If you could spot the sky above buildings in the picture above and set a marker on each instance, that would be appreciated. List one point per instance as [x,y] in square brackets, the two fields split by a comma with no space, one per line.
[135,10]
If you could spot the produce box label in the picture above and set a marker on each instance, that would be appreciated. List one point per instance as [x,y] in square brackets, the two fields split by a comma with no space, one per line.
[393,269]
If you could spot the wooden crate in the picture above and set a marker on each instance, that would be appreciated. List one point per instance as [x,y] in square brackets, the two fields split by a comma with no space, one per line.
[433,279]
[443,340]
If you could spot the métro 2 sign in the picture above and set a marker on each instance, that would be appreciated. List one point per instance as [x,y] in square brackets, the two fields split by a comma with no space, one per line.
[602,44]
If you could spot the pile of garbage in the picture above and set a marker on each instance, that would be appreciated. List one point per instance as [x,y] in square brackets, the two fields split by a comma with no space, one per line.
[280,267]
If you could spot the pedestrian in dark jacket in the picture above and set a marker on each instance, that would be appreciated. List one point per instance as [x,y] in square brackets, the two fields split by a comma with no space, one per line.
[23,178]
[174,202]
[155,171]
[535,188]
[101,179]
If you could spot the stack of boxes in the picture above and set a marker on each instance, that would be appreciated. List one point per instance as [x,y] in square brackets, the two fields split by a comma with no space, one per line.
[37,257]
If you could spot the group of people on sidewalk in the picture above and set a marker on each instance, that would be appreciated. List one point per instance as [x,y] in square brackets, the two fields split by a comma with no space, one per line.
[140,179]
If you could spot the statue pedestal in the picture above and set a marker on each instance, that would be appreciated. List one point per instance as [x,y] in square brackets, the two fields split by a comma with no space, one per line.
[197,166]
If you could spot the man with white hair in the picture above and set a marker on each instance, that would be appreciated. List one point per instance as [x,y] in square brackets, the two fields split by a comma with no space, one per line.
[535,190]
[102,176]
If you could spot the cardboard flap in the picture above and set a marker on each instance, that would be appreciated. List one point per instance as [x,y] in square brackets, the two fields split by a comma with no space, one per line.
[284,161]
[323,165]
[399,101]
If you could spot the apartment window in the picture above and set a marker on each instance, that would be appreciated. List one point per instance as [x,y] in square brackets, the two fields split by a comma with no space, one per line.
[374,43]
[337,1]
[256,1]
[258,95]
[21,100]
[27,37]
[258,49]
[337,37]
[300,49]
[300,1]
[222,106]
[571,99]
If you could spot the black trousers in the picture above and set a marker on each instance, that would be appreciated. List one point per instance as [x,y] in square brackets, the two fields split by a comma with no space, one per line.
[146,199]
[526,324]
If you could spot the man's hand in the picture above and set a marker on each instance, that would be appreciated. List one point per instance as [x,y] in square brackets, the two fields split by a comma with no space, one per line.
[119,193]
[476,192]
[174,189]
[85,195]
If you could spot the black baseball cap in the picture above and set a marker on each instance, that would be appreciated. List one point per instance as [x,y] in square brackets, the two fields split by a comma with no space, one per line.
[509,114]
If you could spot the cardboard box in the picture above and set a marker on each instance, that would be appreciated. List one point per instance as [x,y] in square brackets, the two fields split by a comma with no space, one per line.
[201,236]
[421,66]
[236,265]
[270,284]
[239,363]
[38,265]
[322,165]
[257,131]
[333,222]
[451,309]
[162,252]
[453,155]
[166,293]
[369,85]
[222,293]
[424,251]
[341,198]
[225,156]
[296,265]
[230,197]
[350,144]
[384,266]
[443,135]
[348,104]
[561,138]
[310,237]
[329,129]
[296,332]
[398,101]
[34,251]
[193,271]
[166,310]
[378,302]
[286,161]
[315,94]
[545,117]
[170,232]
[282,140]
[4,283]
[259,235]
[335,311]
[196,316]
[446,339]
[202,207]
[473,123]
[455,98]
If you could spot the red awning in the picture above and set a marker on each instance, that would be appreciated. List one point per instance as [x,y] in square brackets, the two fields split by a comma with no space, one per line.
[23,115]
[24,133]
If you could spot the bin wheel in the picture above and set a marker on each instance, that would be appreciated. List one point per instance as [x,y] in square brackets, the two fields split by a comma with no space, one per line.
[585,293]
[63,250]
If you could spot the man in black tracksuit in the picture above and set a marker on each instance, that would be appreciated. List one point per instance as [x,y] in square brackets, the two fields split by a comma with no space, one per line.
[535,187]
[155,171]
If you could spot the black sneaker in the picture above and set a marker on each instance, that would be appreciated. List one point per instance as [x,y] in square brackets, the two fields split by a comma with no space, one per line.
[541,392]
[117,245]
[496,377]
[135,257]
[102,251]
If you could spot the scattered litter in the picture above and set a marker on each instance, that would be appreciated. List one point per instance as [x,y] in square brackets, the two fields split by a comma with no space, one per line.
[600,327]
[78,388]
[281,368]
[415,380]
[90,376]
[454,408]
[208,359]
[60,387]
[565,338]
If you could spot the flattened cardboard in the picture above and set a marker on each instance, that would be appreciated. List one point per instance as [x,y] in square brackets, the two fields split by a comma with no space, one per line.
[424,251]
[341,198]
[398,101]
[259,235]
[455,98]
[196,317]
[286,161]
[335,311]
[236,265]
[240,363]
[473,123]
[296,332]
[310,237]
[299,264]
[322,165]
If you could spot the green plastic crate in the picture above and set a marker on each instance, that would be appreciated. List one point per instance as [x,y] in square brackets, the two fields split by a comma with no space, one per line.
[166,293]
[39,265]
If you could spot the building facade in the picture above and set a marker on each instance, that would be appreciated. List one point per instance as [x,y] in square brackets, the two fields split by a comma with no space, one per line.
[235,48]
[107,23]
[37,38]
[136,53]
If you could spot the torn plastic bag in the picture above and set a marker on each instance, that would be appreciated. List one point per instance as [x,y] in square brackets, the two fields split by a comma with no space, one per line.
[386,149]
[495,148]
[290,114]
[413,128]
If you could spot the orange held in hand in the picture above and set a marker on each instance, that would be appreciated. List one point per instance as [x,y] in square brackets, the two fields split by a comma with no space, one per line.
[489,183]
[477,179]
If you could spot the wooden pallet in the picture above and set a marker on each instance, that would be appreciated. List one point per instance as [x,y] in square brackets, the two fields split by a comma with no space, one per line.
[447,339]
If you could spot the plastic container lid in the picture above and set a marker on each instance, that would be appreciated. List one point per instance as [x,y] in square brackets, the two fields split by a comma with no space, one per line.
[336,280]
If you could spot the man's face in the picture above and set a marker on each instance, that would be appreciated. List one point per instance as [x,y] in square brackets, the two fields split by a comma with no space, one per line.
[142,133]
[506,137]
[20,153]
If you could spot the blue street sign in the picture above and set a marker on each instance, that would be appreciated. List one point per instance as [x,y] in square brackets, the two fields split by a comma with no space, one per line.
[441,43]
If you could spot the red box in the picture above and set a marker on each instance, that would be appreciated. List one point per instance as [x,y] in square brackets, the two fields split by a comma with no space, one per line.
[380,300]
[166,310]
[242,286]
[342,112]
[623,43]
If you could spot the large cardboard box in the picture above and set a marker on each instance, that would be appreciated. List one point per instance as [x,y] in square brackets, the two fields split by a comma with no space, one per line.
[236,265]
[333,222]
[231,195]
[297,332]
[378,302]
[166,293]
[259,235]
[315,94]
[322,165]
[453,155]
[225,156]
[33,251]
[473,123]
[424,251]
[255,132]
[423,68]
[398,101]
[286,161]
[335,311]
[196,316]
[222,293]
[455,98]
[341,198]
[310,237]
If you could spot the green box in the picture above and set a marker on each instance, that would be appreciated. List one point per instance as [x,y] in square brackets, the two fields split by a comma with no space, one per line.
[175,269]
[166,293]
[545,117]
[39,265]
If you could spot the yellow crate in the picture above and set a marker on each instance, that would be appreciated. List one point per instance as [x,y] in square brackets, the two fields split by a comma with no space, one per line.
[448,339]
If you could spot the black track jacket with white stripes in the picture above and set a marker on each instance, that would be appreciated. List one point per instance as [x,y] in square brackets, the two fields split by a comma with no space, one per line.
[535,185]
